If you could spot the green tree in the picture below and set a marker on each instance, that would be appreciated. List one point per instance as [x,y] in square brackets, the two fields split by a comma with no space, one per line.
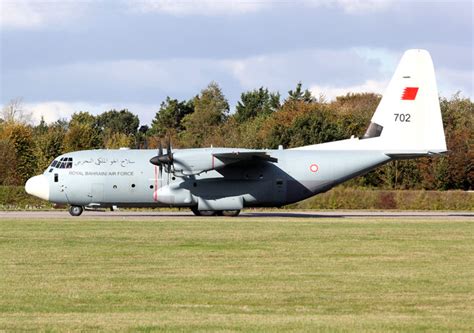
[21,140]
[354,112]
[84,118]
[255,103]
[299,95]
[170,116]
[7,162]
[83,133]
[210,110]
[49,144]
[118,140]
[458,119]
[122,121]
[318,126]
[41,128]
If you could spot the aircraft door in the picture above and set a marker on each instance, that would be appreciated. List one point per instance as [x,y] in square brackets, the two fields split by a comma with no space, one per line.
[279,190]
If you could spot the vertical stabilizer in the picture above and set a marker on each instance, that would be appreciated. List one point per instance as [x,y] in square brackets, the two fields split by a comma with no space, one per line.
[408,117]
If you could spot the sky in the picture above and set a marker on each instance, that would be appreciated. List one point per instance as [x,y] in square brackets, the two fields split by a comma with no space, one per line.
[62,57]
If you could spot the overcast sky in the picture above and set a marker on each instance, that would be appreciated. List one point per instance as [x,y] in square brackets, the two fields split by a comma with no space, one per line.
[67,56]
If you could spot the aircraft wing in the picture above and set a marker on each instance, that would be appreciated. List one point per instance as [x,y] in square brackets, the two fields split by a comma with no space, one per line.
[194,162]
[240,156]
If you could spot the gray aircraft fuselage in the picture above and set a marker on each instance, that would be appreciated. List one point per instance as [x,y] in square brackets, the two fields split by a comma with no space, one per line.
[126,178]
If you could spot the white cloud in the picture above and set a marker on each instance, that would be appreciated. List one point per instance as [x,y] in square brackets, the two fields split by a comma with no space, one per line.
[357,6]
[31,14]
[52,111]
[331,92]
[451,81]
[236,7]
[19,14]
[202,7]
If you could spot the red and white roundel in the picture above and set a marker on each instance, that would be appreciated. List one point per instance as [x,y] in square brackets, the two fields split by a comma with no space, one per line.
[313,167]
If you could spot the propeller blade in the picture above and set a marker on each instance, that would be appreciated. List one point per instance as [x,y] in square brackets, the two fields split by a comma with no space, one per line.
[160,149]
[168,150]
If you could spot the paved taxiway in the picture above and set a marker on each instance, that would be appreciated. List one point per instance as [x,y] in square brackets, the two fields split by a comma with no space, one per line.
[160,215]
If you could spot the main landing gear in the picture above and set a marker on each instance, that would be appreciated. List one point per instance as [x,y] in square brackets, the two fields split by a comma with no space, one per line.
[76,210]
[215,212]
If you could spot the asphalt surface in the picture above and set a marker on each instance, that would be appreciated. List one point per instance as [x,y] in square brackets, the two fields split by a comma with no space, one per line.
[161,215]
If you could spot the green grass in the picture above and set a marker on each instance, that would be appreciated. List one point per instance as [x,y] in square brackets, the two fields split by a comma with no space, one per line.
[242,274]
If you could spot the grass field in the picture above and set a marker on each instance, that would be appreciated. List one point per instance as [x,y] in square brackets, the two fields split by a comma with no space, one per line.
[226,274]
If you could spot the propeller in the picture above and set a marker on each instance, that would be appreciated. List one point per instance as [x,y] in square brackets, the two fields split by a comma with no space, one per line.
[162,159]
[160,153]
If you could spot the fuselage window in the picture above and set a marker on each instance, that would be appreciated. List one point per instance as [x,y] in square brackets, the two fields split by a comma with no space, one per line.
[54,164]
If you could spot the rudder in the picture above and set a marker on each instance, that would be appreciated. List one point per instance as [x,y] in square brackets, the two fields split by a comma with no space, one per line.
[408,118]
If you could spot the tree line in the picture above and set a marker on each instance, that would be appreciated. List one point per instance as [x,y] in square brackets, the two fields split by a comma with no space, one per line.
[262,119]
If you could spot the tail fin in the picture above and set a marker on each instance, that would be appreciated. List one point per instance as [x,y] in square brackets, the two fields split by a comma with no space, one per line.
[408,118]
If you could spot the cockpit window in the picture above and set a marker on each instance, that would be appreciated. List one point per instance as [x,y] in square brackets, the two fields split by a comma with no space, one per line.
[63,163]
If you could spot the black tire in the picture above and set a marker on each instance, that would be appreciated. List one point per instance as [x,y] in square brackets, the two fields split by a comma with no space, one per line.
[203,212]
[208,212]
[76,210]
[231,212]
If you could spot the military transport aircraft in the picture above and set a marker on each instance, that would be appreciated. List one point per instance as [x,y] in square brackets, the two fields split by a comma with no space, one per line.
[221,181]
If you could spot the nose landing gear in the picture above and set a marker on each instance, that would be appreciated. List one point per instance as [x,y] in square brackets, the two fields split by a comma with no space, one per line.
[76,210]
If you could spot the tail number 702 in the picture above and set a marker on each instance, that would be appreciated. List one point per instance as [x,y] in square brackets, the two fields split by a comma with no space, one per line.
[402,117]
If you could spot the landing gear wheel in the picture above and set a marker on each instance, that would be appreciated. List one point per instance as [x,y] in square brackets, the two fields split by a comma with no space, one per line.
[203,212]
[230,212]
[76,210]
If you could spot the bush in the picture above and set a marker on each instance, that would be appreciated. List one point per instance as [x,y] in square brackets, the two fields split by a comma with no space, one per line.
[15,198]
[358,198]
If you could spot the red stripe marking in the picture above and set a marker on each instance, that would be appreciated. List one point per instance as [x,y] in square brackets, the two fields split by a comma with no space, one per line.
[409,94]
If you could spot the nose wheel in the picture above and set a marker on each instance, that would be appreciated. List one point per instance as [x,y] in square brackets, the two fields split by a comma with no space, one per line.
[76,210]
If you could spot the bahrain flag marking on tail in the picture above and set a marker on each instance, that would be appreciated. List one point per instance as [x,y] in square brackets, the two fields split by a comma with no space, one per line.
[409,94]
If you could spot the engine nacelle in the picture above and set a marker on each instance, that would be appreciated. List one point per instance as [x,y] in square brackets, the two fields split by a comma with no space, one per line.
[193,162]
[175,195]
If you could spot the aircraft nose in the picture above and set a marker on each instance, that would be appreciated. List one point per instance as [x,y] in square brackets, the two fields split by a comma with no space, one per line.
[38,186]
